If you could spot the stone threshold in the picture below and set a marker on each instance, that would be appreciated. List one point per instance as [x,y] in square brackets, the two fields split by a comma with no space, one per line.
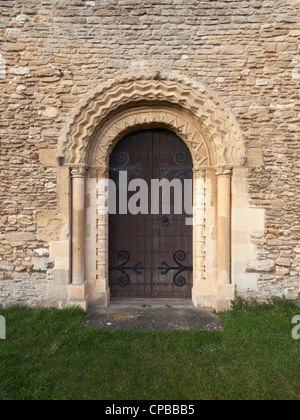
[159,315]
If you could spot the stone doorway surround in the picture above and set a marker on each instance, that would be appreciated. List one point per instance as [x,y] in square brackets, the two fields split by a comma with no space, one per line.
[224,219]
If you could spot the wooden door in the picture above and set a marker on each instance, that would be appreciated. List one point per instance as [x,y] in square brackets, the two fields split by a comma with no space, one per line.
[151,255]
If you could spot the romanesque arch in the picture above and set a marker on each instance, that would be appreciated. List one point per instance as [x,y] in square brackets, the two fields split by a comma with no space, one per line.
[134,119]
[216,120]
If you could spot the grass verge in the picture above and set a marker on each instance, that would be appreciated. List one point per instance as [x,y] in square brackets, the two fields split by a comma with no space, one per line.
[48,355]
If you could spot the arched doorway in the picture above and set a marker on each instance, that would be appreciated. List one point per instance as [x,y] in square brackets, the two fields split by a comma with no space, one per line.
[151,252]
[209,129]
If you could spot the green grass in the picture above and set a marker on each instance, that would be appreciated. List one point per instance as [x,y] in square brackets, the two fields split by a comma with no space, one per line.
[48,355]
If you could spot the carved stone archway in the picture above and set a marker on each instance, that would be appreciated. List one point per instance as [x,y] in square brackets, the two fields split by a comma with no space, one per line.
[135,119]
[131,90]
[211,132]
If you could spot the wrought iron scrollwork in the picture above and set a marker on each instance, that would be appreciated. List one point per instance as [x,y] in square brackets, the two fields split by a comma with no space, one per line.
[124,279]
[124,159]
[179,158]
[178,279]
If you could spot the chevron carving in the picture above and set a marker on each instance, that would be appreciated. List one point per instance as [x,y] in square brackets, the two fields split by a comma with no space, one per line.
[219,131]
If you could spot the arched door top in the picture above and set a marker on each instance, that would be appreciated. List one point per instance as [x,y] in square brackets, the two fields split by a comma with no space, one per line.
[145,118]
[190,99]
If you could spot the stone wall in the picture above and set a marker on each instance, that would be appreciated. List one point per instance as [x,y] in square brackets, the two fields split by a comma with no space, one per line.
[54,52]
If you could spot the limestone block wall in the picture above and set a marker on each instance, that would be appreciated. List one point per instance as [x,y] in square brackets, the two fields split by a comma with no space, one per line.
[53,52]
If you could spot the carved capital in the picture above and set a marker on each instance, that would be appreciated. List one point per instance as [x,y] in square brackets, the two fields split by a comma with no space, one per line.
[199,173]
[224,172]
[79,172]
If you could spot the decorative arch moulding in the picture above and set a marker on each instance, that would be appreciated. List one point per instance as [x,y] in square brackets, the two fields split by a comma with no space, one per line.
[138,101]
[147,118]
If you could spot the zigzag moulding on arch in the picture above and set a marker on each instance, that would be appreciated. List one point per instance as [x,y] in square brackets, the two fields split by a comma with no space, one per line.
[145,118]
[213,116]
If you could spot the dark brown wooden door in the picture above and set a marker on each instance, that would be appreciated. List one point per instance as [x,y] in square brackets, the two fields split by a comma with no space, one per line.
[151,255]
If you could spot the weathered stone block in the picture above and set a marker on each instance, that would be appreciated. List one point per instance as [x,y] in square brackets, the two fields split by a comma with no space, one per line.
[261,266]
[5,266]
[48,157]
[20,237]
[50,112]
[21,276]
[285,262]
[55,291]
[232,50]
[42,252]
[255,157]
[20,71]
[13,47]
[61,277]
[78,291]
[41,264]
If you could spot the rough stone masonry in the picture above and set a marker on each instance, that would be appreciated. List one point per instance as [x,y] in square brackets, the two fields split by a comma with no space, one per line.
[53,52]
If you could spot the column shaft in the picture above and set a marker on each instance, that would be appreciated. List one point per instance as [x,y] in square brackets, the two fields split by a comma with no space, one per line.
[224,227]
[78,225]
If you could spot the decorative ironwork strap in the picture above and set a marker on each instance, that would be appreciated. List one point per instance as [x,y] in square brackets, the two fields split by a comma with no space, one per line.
[178,280]
[124,279]
[124,158]
[180,170]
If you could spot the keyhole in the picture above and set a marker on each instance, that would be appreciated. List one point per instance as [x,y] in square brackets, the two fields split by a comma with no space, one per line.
[165,221]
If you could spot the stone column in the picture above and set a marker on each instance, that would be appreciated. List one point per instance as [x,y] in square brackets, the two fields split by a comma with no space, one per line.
[78,224]
[224,225]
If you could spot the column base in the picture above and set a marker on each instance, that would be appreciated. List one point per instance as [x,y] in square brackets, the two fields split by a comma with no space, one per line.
[222,305]
[204,301]
[225,295]
[218,296]
[78,295]
[203,294]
